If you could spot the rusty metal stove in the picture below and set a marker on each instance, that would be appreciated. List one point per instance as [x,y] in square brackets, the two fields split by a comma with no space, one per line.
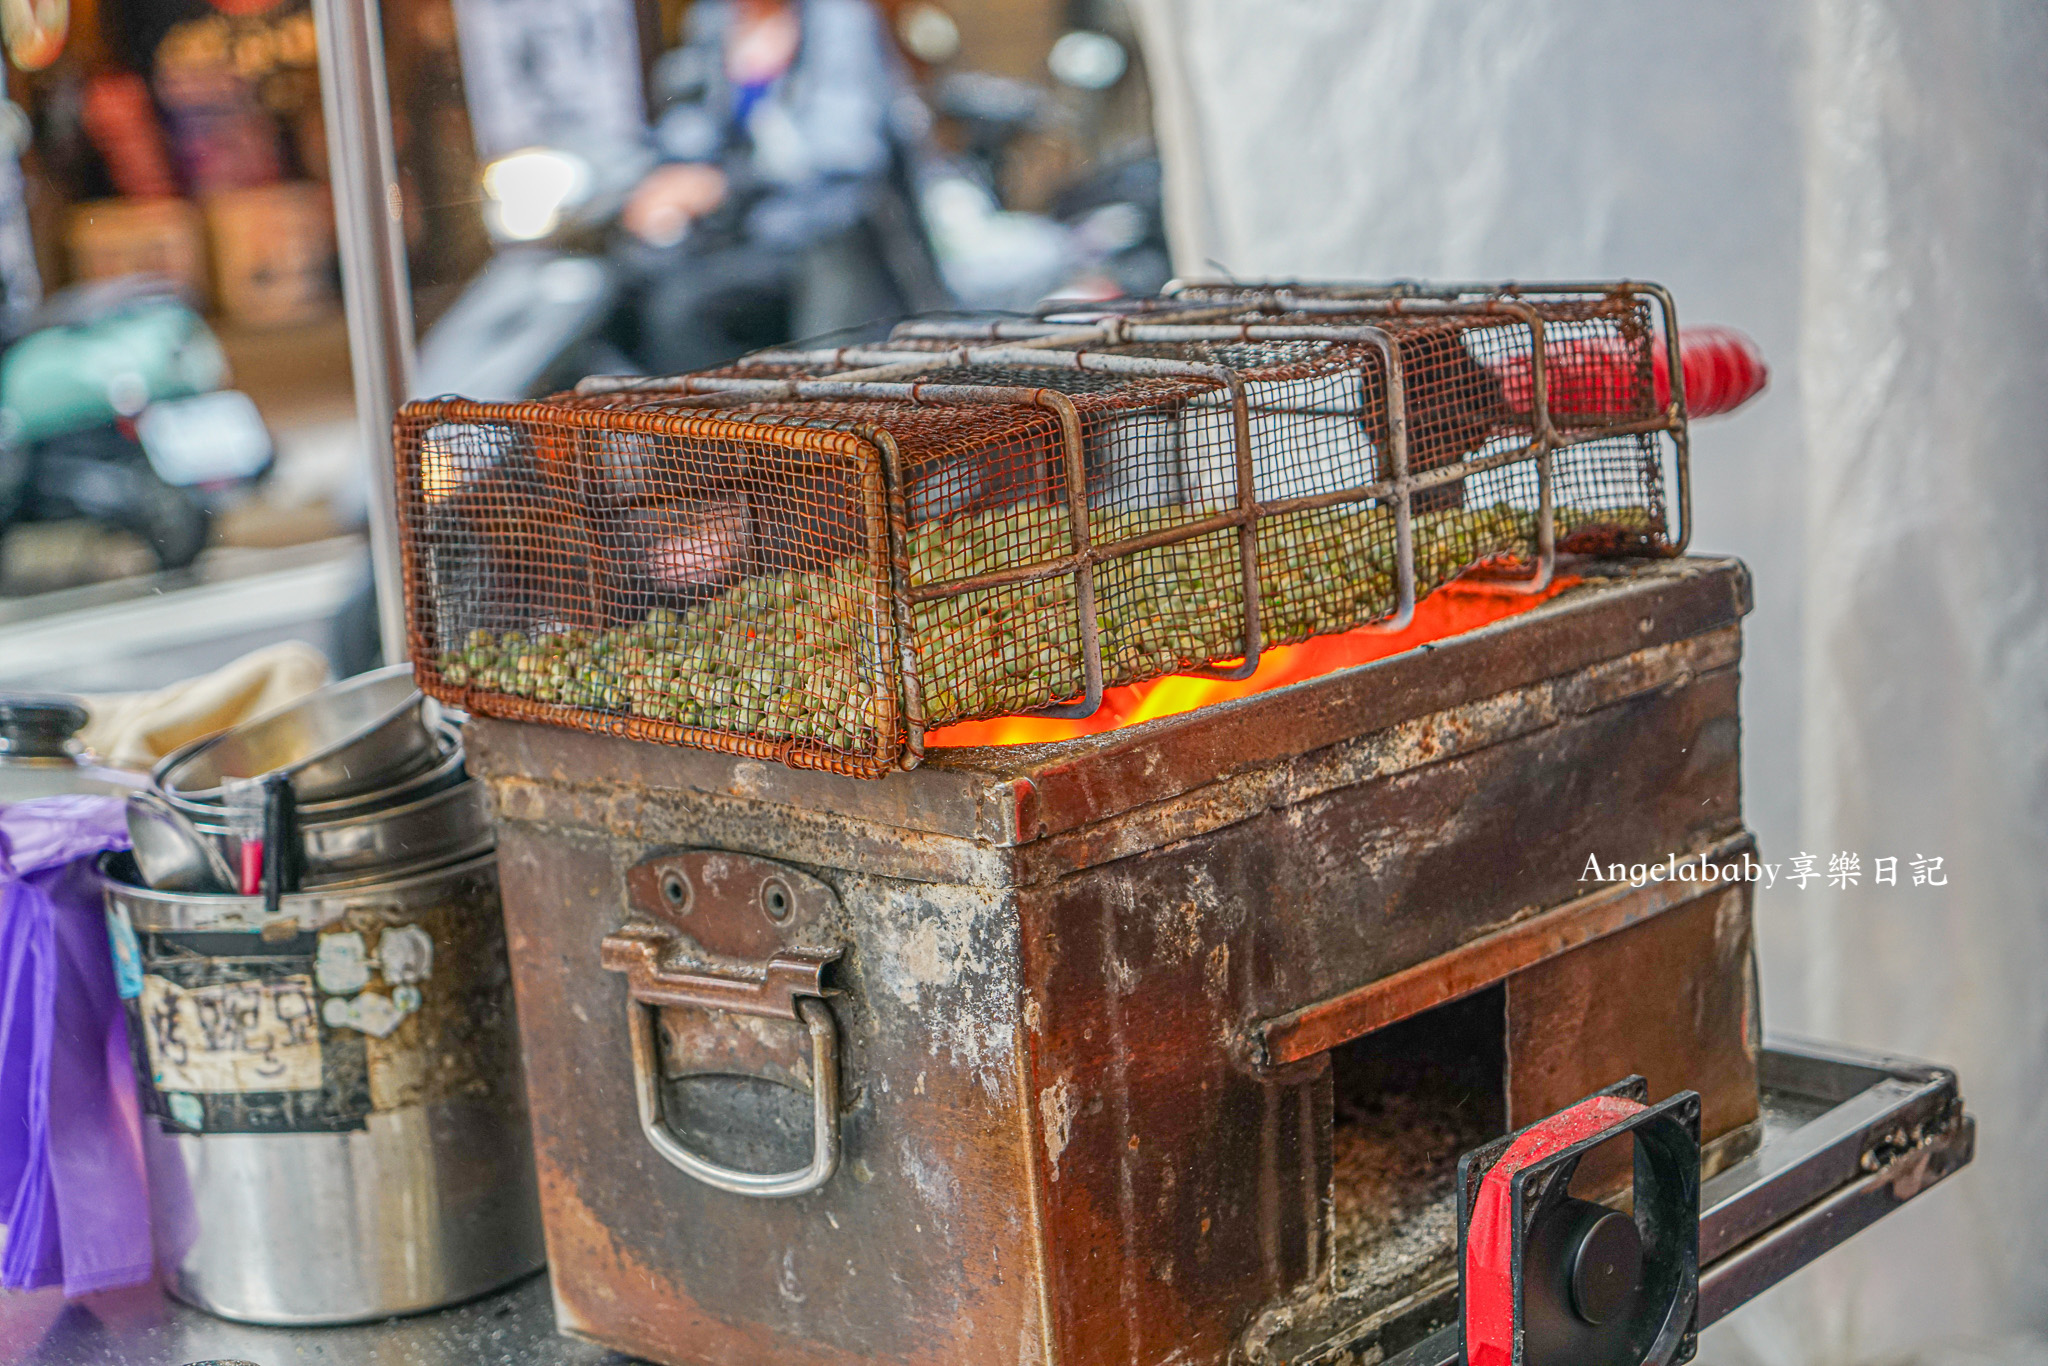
[1162,1045]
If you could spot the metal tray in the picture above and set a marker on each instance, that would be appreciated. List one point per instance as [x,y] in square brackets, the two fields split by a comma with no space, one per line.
[1848,1138]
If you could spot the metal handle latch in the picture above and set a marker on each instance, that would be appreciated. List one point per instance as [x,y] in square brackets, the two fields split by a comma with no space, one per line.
[792,987]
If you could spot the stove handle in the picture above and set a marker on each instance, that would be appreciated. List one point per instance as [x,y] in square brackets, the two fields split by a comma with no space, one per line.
[791,988]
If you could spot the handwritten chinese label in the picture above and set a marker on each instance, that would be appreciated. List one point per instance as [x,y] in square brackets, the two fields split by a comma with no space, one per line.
[233,1036]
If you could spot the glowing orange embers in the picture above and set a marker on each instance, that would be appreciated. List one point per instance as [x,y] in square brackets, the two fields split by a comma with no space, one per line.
[1462,605]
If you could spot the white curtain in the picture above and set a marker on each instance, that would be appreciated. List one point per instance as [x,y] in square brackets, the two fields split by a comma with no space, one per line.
[1863,186]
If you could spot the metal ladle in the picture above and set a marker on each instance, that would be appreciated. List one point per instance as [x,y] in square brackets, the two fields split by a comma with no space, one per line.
[170,852]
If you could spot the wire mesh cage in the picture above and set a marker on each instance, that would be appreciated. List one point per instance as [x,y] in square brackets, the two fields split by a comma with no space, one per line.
[817,556]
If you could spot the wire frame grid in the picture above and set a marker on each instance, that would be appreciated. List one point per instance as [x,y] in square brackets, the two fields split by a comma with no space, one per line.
[680,560]
[1592,321]
[1571,363]
[638,573]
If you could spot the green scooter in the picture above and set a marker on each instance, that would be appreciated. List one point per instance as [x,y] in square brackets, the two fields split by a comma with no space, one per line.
[112,409]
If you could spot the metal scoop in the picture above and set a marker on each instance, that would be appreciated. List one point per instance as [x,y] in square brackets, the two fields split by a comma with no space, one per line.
[170,852]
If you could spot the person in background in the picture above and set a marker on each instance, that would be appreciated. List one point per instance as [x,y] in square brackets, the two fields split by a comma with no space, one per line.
[778,142]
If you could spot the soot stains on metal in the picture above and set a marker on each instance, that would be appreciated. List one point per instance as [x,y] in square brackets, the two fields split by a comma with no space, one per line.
[947,961]
[459,1042]
[1059,1141]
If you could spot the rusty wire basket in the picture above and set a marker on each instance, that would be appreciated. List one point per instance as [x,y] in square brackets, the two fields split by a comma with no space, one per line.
[816,556]
[1598,339]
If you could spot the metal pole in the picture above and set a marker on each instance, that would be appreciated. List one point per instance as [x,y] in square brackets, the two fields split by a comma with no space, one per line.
[376,289]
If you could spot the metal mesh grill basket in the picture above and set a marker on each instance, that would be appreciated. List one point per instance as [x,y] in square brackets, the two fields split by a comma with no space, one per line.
[818,556]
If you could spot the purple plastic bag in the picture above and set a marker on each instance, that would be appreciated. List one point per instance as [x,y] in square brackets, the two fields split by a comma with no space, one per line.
[73,1175]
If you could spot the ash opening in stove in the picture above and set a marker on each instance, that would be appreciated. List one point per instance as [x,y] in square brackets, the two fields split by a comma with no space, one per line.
[1408,1101]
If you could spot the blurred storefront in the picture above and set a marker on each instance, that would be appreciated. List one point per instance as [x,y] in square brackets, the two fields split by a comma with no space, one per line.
[173,151]
[178,252]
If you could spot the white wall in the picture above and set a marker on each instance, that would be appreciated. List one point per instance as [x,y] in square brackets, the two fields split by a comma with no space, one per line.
[1864,188]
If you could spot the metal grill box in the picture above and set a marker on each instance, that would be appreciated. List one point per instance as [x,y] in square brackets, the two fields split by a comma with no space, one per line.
[1158,1046]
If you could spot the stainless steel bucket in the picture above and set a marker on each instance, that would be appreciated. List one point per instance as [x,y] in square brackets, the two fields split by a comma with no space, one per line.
[341,1084]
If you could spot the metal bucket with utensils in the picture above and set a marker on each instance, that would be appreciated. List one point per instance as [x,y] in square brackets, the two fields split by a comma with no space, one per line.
[331,1051]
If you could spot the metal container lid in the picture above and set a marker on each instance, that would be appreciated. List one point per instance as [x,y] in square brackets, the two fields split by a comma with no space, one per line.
[40,758]
[38,729]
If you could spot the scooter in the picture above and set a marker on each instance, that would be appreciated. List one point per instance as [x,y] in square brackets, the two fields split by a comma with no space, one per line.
[1104,234]
[558,298]
[112,410]
[541,313]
